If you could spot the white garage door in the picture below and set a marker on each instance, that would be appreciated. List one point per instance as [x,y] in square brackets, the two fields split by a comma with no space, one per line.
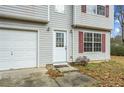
[18,49]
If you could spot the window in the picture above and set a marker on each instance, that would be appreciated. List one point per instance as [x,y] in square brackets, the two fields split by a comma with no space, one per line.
[100,10]
[59,8]
[91,9]
[59,39]
[96,9]
[92,42]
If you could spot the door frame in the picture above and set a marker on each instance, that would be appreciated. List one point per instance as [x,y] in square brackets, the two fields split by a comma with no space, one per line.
[61,30]
[30,30]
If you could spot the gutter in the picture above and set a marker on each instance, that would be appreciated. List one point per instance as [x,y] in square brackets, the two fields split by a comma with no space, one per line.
[90,27]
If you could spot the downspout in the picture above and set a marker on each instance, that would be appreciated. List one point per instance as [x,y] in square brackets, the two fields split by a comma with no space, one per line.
[72,32]
[72,48]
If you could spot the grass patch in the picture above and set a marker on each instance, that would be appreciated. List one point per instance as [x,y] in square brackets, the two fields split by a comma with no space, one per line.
[107,73]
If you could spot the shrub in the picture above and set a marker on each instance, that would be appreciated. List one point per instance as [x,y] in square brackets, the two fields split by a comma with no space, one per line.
[117,50]
[83,60]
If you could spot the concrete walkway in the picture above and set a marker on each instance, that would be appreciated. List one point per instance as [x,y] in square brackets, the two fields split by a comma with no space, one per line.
[75,79]
[37,77]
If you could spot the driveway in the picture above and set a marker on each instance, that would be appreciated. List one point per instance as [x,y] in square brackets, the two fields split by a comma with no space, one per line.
[37,77]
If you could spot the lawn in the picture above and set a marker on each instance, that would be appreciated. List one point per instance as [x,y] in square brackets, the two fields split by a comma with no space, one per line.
[108,74]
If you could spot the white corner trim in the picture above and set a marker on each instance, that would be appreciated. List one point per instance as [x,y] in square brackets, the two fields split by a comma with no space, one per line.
[74,14]
[48,12]
[38,53]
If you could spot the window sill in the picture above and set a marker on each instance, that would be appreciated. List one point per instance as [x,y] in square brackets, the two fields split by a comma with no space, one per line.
[96,15]
[93,52]
[59,12]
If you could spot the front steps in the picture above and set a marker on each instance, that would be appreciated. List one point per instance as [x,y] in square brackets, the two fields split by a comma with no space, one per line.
[65,68]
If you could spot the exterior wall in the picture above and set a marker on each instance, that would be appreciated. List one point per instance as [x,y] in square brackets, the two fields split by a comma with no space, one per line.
[57,21]
[44,44]
[45,47]
[25,12]
[90,55]
[84,19]
[62,21]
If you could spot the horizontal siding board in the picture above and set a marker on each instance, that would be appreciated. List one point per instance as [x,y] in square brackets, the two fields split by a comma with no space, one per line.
[45,47]
[60,20]
[39,11]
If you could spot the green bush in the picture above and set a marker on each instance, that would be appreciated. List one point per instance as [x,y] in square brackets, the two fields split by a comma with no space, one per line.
[117,50]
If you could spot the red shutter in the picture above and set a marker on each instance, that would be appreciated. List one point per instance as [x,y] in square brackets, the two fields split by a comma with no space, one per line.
[81,48]
[107,10]
[103,42]
[83,8]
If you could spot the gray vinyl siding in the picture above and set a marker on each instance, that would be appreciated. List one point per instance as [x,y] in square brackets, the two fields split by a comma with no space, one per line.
[25,11]
[99,21]
[62,21]
[45,47]
[90,55]
[45,37]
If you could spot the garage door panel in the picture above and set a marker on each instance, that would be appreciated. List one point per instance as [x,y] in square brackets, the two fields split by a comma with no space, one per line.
[5,44]
[24,44]
[4,55]
[6,66]
[18,49]
[21,64]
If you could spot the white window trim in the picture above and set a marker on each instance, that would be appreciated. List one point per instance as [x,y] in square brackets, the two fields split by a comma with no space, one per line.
[58,11]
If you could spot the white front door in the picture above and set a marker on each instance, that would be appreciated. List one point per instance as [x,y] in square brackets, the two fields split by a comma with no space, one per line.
[60,46]
[18,49]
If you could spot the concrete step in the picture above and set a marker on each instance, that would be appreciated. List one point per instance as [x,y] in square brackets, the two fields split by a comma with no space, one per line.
[66,68]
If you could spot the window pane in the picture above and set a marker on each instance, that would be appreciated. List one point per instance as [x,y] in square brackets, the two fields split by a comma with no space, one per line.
[59,8]
[87,42]
[91,9]
[97,42]
[97,37]
[97,47]
[88,47]
[100,10]
[88,37]
[59,39]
